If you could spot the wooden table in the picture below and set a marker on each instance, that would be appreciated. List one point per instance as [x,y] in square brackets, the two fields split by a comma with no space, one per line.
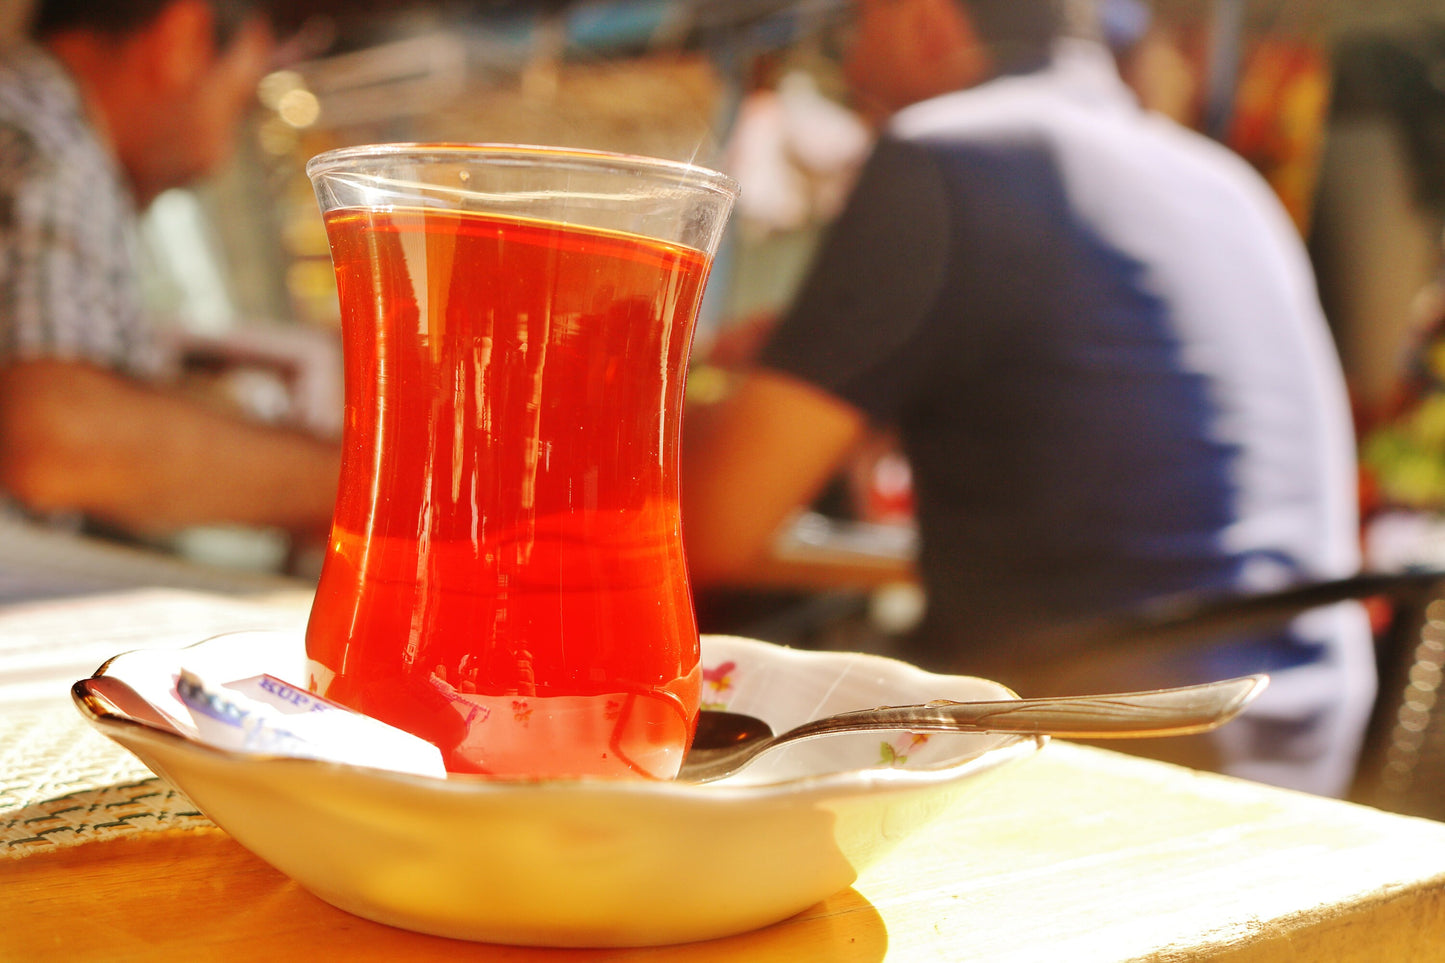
[1076,855]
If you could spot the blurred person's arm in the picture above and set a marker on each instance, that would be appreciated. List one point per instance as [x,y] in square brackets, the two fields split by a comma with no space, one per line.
[750,463]
[736,346]
[845,355]
[74,437]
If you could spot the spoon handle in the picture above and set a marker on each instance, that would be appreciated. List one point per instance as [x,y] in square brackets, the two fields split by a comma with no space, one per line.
[1190,709]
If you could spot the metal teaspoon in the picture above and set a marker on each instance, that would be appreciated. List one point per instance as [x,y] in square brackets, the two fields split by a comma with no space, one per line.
[727,741]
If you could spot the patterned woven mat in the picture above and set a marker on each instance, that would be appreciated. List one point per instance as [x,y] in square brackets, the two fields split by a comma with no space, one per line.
[63,784]
[94,815]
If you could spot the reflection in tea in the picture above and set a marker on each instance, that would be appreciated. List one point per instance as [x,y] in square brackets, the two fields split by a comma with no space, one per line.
[505,576]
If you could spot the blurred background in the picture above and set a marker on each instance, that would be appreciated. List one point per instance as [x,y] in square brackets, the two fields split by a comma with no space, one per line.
[1339,103]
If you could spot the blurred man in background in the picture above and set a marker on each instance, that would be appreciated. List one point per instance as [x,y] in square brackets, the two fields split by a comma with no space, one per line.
[108,105]
[1097,336]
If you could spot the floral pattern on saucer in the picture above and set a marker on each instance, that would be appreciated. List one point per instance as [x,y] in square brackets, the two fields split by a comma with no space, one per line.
[896,753]
[717,685]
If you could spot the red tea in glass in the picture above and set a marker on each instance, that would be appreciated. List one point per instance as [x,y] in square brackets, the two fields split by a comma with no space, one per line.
[505,576]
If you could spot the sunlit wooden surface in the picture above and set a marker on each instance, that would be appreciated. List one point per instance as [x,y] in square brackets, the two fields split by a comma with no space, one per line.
[1077,855]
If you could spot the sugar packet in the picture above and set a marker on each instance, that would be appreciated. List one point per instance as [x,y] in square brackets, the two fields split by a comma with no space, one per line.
[264,714]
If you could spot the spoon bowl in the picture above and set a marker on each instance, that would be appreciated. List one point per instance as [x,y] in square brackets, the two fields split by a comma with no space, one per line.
[728,741]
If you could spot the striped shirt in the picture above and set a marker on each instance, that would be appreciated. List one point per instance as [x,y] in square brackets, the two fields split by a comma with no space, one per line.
[69,270]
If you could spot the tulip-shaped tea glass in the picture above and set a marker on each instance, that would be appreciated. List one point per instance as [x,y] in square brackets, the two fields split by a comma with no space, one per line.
[505,576]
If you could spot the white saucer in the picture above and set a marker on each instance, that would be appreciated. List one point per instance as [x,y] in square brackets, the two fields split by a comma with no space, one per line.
[580,862]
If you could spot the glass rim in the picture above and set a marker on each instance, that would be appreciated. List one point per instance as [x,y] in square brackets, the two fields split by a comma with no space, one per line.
[683,173]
